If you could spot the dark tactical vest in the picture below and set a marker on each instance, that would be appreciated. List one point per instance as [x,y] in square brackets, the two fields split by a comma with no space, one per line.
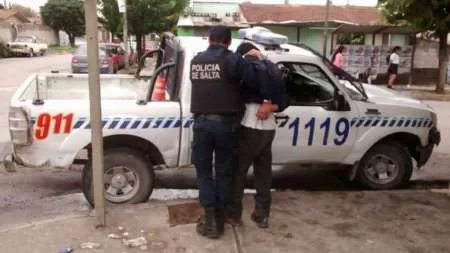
[212,91]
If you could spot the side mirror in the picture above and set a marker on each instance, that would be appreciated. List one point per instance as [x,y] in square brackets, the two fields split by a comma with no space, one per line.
[340,103]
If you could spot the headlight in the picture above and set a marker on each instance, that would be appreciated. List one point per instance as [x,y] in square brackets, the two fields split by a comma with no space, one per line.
[434,118]
[19,126]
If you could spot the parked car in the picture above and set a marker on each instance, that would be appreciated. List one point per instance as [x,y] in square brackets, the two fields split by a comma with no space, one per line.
[117,53]
[80,61]
[27,46]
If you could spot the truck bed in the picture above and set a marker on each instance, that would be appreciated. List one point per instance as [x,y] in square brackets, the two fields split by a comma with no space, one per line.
[76,87]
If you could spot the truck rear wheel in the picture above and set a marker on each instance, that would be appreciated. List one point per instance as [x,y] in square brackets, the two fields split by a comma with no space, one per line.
[385,166]
[128,177]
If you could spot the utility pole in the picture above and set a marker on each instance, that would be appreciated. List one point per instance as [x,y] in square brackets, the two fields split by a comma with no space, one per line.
[125,35]
[325,30]
[90,9]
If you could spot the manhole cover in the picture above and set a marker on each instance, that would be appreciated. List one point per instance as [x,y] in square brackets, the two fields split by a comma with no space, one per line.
[187,213]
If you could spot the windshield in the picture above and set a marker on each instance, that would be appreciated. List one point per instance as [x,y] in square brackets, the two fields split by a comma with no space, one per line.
[353,86]
[24,39]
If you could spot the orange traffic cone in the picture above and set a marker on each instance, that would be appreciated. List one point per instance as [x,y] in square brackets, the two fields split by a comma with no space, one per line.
[159,92]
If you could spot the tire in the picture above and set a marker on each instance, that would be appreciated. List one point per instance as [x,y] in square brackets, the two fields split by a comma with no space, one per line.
[122,166]
[385,166]
[42,53]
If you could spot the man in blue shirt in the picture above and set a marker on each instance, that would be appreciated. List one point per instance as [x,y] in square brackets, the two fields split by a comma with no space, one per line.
[217,105]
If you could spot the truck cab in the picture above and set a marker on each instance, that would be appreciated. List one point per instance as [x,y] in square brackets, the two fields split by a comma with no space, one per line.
[147,125]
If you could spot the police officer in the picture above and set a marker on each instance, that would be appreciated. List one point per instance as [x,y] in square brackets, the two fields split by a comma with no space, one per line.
[217,107]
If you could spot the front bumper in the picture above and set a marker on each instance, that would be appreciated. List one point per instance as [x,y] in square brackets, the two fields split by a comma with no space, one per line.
[434,138]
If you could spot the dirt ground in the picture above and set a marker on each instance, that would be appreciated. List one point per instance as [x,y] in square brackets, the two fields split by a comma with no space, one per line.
[426,92]
[394,221]
[344,221]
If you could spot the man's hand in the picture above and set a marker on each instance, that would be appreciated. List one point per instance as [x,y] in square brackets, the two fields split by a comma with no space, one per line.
[255,53]
[265,110]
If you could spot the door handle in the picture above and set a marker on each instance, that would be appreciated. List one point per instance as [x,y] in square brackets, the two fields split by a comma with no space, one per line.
[373,112]
[281,116]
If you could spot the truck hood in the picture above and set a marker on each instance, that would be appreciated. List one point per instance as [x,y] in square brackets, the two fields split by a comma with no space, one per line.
[382,95]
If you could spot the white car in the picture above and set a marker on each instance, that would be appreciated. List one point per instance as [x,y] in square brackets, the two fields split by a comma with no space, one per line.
[27,46]
[377,133]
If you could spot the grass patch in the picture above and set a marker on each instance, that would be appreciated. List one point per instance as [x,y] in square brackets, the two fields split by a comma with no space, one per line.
[62,49]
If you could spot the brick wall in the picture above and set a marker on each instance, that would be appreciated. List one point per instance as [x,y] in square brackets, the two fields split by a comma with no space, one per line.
[426,62]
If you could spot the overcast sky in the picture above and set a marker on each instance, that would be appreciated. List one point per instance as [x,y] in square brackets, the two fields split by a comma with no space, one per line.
[36,3]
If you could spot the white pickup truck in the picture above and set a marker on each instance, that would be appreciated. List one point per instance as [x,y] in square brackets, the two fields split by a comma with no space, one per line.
[379,134]
[27,46]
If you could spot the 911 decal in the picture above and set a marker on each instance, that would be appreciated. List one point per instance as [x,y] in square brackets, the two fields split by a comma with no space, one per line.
[341,130]
[62,124]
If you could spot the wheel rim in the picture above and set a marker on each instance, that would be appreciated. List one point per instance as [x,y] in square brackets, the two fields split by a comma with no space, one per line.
[382,169]
[121,184]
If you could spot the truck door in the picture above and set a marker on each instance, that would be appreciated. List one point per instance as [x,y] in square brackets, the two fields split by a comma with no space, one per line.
[312,128]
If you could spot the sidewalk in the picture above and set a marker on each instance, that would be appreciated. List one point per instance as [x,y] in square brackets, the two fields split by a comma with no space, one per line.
[394,221]
[424,92]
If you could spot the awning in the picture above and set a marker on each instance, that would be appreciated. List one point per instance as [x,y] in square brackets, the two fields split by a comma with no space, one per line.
[346,28]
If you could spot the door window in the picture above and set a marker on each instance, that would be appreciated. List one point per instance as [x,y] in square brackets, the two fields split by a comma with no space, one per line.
[308,85]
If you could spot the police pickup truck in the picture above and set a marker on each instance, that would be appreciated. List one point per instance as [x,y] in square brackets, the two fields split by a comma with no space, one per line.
[378,134]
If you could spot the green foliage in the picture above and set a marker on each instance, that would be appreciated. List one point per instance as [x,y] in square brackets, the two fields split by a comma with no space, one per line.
[429,15]
[351,39]
[65,15]
[112,18]
[144,16]
[24,10]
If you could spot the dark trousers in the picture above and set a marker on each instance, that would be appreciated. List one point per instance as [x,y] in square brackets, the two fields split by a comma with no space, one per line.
[254,147]
[218,138]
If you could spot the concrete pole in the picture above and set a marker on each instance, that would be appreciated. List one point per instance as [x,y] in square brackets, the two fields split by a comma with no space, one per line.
[125,35]
[90,9]
[325,31]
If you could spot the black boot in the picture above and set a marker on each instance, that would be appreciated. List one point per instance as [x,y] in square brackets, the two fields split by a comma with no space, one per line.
[262,221]
[207,225]
[220,221]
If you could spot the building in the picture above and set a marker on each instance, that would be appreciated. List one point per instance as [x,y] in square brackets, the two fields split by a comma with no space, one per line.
[199,17]
[12,17]
[10,21]
[305,23]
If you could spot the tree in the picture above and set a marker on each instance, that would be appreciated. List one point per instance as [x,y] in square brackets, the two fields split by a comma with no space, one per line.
[65,15]
[431,15]
[147,16]
[112,18]
[23,10]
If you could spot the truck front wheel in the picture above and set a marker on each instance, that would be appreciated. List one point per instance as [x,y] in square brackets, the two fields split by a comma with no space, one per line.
[385,166]
[128,177]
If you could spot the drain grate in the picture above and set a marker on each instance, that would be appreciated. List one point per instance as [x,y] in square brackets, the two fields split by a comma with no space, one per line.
[186,213]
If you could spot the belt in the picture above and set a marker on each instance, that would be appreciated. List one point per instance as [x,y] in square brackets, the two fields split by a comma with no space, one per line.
[217,117]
